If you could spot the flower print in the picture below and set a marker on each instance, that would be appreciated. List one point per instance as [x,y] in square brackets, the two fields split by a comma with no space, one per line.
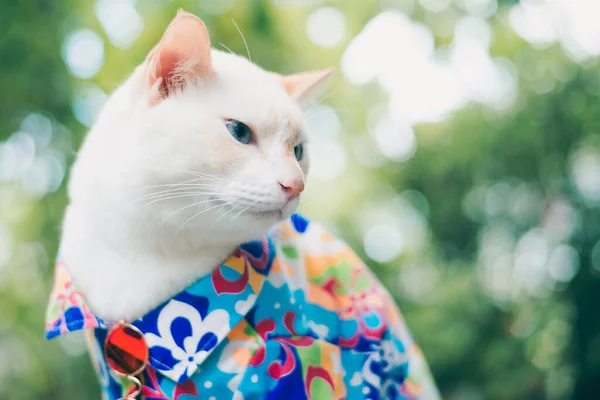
[259,253]
[238,352]
[386,369]
[184,339]
[292,269]
[307,319]
[187,388]
[367,308]
[356,379]
[236,355]
[67,310]
[314,372]
[369,374]
[223,285]
[252,261]
[285,363]
[279,357]
[395,360]
[243,306]
[151,389]
[319,329]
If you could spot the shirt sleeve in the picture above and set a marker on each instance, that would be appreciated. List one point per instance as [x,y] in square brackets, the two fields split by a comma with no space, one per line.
[400,364]
[398,347]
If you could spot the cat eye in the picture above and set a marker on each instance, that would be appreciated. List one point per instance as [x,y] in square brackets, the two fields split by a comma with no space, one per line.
[298,151]
[240,131]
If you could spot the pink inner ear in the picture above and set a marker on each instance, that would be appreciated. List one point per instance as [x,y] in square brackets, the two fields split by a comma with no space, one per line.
[183,54]
[301,84]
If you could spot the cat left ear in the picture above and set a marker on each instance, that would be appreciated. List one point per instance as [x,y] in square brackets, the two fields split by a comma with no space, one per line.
[301,86]
[183,54]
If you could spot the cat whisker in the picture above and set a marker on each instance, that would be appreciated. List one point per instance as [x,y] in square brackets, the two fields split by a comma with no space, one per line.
[224,214]
[169,184]
[194,194]
[173,192]
[186,171]
[196,204]
[320,101]
[219,178]
[183,189]
[185,184]
[197,215]
[243,39]
[309,117]
[193,173]
[227,48]
[244,210]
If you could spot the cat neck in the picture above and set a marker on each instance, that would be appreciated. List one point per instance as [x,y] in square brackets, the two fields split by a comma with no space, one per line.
[126,268]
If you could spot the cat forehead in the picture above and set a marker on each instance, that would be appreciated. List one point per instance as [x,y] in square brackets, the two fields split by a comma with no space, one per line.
[230,64]
[286,127]
[252,95]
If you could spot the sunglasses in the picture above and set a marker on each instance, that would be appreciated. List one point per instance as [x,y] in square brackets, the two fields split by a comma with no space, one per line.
[127,354]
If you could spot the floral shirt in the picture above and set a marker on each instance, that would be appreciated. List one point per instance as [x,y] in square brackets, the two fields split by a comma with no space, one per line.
[295,314]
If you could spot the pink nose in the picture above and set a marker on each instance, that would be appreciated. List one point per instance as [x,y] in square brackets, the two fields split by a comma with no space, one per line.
[292,188]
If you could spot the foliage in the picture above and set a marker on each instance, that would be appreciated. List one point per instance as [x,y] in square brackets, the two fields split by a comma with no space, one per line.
[502,292]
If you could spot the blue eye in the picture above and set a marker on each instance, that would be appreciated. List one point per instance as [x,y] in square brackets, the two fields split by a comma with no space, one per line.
[240,131]
[298,151]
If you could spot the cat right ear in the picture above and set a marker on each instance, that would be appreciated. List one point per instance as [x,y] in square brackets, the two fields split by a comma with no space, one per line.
[181,56]
[301,86]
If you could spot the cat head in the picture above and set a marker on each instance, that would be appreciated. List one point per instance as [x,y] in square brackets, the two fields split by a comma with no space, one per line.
[199,141]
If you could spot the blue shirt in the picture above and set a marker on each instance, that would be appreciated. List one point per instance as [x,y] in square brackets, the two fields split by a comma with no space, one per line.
[295,314]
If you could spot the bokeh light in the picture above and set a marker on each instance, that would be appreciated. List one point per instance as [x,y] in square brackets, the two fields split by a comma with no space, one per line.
[435,5]
[87,103]
[216,7]
[457,151]
[6,245]
[572,23]
[326,27]
[121,21]
[83,52]
[585,169]
[482,8]
[394,141]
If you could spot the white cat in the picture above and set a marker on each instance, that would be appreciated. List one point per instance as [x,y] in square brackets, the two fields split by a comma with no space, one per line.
[162,190]
[197,153]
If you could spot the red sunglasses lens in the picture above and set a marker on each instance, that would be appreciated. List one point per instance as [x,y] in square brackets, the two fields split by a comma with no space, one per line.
[126,350]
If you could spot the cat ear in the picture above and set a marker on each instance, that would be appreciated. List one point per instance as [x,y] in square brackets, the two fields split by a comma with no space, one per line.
[300,86]
[183,54]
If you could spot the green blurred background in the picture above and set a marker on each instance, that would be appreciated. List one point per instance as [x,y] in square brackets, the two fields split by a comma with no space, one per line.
[458,150]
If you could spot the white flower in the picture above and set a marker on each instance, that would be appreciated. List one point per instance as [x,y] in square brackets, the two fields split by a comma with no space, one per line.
[217,322]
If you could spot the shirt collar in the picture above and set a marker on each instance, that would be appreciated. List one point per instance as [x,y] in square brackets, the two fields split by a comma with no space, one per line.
[182,332]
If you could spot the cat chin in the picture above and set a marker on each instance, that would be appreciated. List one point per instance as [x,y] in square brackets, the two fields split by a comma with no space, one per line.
[257,223]
[247,226]
[260,222]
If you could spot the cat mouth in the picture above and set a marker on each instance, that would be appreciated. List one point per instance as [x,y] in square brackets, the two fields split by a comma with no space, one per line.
[278,213]
[275,213]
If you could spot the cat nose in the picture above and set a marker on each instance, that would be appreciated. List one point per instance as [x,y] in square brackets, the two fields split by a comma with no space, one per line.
[292,188]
